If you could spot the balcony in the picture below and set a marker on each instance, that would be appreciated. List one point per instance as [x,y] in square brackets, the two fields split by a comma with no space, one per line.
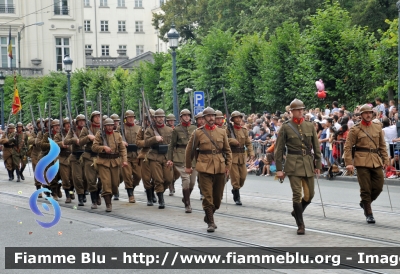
[7,8]
[61,10]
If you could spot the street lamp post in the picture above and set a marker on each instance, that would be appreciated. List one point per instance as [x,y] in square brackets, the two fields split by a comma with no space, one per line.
[2,79]
[19,43]
[398,72]
[173,39]
[68,68]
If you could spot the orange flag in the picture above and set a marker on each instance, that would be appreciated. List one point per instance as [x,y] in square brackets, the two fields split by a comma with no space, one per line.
[16,105]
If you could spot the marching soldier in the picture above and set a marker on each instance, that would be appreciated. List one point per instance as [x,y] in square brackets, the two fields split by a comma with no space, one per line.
[171,123]
[158,139]
[300,138]
[74,159]
[369,157]
[65,168]
[199,123]
[33,141]
[111,155]
[144,162]
[116,120]
[19,151]
[7,140]
[86,139]
[238,141]
[213,163]
[53,127]
[219,119]
[131,174]
[176,155]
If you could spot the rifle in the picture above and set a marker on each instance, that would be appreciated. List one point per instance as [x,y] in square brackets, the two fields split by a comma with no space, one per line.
[49,122]
[101,123]
[228,116]
[33,121]
[61,122]
[191,106]
[143,122]
[86,114]
[108,107]
[122,127]
[41,120]
[140,114]
[148,115]
[71,122]
[76,110]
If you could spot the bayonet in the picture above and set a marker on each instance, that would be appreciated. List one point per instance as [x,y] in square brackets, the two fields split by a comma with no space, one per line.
[228,116]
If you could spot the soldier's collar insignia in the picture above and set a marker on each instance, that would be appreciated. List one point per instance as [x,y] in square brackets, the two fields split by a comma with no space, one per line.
[298,121]
[365,123]
[237,127]
[185,124]
[210,128]
[160,126]
[95,125]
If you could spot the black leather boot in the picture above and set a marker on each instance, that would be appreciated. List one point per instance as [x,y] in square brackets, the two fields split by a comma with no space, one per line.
[98,196]
[68,196]
[368,212]
[73,193]
[130,195]
[304,205]
[298,211]
[154,195]
[93,197]
[17,171]
[80,199]
[20,173]
[10,178]
[12,174]
[238,202]
[161,204]
[149,194]
[210,219]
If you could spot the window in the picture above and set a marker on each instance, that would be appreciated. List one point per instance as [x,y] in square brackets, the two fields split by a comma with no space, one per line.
[87,3]
[121,3]
[105,50]
[6,61]
[103,25]
[139,50]
[138,4]
[122,46]
[121,26]
[7,6]
[88,46]
[86,25]
[62,49]
[103,3]
[61,7]
[139,26]
[161,2]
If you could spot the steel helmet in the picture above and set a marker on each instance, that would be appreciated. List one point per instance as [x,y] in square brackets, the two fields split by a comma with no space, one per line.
[55,122]
[297,104]
[115,117]
[109,121]
[208,111]
[66,121]
[11,126]
[171,117]
[80,117]
[199,115]
[19,124]
[219,114]
[236,114]
[365,108]
[129,113]
[185,111]
[94,113]
[159,113]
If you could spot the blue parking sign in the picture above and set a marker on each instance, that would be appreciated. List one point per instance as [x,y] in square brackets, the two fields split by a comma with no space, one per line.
[199,102]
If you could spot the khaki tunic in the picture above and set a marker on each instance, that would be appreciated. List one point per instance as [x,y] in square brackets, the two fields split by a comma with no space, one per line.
[74,160]
[108,169]
[238,171]
[65,168]
[160,172]
[299,168]
[211,168]
[132,173]
[369,164]
[8,143]
[87,157]
[33,141]
[143,162]
[20,149]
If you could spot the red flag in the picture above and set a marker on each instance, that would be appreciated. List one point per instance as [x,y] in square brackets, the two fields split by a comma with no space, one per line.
[16,105]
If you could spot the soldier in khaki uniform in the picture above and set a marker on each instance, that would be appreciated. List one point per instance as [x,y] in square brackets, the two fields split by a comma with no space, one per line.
[176,155]
[74,159]
[65,168]
[45,146]
[86,139]
[300,138]
[238,141]
[19,151]
[170,122]
[131,174]
[111,156]
[158,138]
[144,162]
[370,156]
[33,141]
[7,140]
[116,120]
[199,119]
[213,163]
[219,119]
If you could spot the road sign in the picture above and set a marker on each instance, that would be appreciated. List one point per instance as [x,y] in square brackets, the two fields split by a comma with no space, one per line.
[199,102]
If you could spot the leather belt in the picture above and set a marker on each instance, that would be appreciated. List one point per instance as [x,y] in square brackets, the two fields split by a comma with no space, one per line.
[237,149]
[213,151]
[77,153]
[8,146]
[132,148]
[302,152]
[371,150]
[65,153]
[92,154]
[180,146]
[109,156]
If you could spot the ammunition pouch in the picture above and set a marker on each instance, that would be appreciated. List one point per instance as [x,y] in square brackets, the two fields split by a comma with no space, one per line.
[161,149]
[132,148]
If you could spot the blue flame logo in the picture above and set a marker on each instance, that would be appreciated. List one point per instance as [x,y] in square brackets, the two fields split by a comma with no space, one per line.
[41,175]
[45,161]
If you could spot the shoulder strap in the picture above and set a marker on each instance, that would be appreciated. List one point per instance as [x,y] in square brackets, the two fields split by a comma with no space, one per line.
[212,141]
[366,133]
[298,135]
[184,131]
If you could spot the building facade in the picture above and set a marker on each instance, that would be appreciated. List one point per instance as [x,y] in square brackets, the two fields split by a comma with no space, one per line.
[48,30]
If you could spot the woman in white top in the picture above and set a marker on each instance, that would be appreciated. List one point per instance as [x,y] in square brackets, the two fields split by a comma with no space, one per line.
[327,110]
[390,135]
